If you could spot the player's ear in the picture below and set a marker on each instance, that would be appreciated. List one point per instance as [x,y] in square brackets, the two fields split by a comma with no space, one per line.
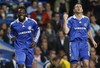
[82,10]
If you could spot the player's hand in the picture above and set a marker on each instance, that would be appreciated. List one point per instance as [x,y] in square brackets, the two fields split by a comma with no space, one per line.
[13,38]
[95,44]
[65,16]
[33,44]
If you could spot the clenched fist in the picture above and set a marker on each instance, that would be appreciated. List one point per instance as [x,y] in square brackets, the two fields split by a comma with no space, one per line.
[13,38]
[33,44]
[65,16]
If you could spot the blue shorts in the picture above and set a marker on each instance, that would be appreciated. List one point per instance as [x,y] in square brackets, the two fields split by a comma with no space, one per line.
[79,50]
[25,56]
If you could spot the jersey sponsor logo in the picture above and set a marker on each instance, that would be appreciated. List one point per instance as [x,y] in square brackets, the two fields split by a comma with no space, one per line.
[80,28]
[24,32]
[29,28]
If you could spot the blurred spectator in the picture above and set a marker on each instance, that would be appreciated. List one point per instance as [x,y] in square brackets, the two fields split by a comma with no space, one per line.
[89,13]
[6,8]
[52,3]
[61,6]
[65,57]
[95,8]
[2,13]
[4,27]
[32,8]
[56,22]
[58,63]
[94,59]
[38,55]
[79,64]
[44,46]
[94,26]
[62,42]
[12,63]
[96,12]
[55,63]
[51,55]
[40,16]
[51,36]
[61,54]
[64,63]
[48,10]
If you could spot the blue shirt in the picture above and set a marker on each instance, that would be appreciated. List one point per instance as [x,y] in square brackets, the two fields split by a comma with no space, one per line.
[25,33]
[78,28]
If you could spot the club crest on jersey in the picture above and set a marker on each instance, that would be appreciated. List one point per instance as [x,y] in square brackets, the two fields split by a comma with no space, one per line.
[85,25]
[29,28]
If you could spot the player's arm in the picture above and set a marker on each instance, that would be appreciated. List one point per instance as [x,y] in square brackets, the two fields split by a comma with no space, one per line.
[12,33]
[91,38]
[65,27]
[90,34]
[36,34]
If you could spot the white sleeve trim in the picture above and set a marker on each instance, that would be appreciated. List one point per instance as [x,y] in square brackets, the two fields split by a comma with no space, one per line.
[37,36]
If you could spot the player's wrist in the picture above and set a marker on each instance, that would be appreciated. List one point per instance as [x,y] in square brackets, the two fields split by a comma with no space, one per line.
[33,44]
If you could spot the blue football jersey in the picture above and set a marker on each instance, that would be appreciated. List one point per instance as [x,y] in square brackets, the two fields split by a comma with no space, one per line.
[25,33]
[78,28]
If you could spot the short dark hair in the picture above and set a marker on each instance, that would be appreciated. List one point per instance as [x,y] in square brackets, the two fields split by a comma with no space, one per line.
[76,4]
[19,8]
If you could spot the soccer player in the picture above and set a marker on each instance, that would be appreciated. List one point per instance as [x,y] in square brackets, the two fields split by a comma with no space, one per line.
[78,28]
[25,34]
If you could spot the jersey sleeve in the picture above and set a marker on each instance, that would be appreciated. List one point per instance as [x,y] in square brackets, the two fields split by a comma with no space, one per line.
[88,25]
[12,32]
[36,31]
[69,23]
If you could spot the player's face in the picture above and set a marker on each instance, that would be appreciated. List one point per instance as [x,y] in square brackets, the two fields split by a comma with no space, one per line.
[21,14]
[78,8]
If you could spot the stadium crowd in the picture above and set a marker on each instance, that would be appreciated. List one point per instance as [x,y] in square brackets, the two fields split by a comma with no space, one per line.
[53,47]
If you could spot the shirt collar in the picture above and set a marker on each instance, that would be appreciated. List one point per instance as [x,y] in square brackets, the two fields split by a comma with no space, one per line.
[76,17]
[24,21]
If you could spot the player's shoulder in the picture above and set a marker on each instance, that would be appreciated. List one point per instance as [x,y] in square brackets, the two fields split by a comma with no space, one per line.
[32,20]
[14,22]
[71,17]
[86,17]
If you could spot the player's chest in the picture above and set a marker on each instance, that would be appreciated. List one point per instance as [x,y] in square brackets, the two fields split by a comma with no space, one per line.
[79,23]
[23,27]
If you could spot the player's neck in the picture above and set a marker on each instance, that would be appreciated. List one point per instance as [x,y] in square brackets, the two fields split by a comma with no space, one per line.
[22,21]
[79,16]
